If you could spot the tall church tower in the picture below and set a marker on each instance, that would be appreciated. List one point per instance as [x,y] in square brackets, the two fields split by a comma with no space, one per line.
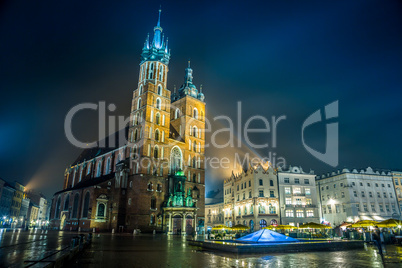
[166,141]
[150,110]
[187,115]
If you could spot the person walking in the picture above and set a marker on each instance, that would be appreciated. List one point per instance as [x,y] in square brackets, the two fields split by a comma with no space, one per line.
[377,240]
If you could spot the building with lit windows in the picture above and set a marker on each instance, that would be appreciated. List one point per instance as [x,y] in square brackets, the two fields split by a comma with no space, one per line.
[6,200]
[16,204]
[154,180]
[350,196]
[214,215]
[251,198]
[397,180]
[298,199]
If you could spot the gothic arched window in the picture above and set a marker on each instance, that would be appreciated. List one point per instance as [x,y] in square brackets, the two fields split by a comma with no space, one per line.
[158,119]
[140,91]
[58,205]
[195,113]
[195,132]
[135,135]
[160,73]
[75,206]
[156,152]
[86,206]
[89,168]
[158,103]
[66,202]
[108,167]
[151,71]
[137,118]
[160,90]
[139,104]
[99,169]
[153,202]
[176,159]
[157,135]
[177,113]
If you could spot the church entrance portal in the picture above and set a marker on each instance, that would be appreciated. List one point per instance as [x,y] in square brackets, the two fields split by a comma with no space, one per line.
[177,220]
[189,225]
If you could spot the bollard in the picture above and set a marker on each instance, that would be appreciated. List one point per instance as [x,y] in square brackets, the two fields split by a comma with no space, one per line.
[134,232]
[79,229]
[113,231]
[93,230]
[154,232]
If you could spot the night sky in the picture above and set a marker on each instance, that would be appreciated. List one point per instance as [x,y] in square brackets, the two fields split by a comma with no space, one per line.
[276,57]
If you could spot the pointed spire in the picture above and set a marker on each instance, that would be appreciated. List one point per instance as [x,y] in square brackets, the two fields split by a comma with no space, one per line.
[157,41]
[159,18]
[146,43]
[156,49]
[188,64]
[201,88]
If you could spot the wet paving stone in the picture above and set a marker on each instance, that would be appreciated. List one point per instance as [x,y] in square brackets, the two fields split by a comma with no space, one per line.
[173,251]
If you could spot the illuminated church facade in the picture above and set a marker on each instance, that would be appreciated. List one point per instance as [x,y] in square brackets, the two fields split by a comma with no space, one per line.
[156,179]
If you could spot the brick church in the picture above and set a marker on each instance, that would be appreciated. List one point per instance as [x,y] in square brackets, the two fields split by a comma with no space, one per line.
[155,180]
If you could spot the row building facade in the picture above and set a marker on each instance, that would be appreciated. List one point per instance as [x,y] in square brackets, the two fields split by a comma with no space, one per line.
[352,195]
[251,198]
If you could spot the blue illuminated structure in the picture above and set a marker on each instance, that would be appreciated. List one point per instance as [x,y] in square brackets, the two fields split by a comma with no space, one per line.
[266,236]
[188,88]
[158,49]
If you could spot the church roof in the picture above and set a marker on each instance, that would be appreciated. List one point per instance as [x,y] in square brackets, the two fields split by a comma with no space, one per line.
[112,142]
[88,183]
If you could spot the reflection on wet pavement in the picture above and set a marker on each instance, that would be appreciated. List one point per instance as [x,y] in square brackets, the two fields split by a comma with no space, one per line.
[173,251]
[17,246]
